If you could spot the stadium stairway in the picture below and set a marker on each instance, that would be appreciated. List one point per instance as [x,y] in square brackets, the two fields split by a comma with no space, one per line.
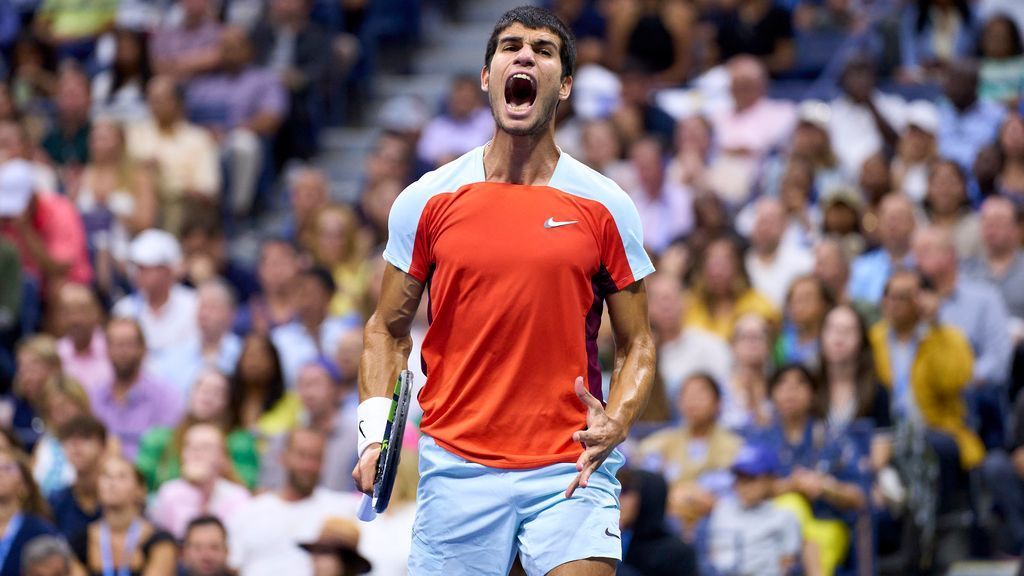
[448,49]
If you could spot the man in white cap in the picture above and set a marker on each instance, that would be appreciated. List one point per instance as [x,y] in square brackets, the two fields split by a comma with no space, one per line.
[165,309]
[47,229]
[916,150]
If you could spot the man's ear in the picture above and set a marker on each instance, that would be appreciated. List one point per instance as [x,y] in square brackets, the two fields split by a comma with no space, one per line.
[565,89]
[485,78]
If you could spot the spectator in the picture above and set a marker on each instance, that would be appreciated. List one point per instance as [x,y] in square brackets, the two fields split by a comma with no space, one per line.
[162,448]
[849,387]
[875,182]
[258,398]
[602,150]
[1002,263]
[83,348]
[391,157]
[760,28]
[374,208]
[308,191]
[63,400]
[832,267]
[745,395]
[1004,477]
[966,123]
[72,29]
[300,52]
[823,478]
[264,535]
[387,541]
[46,556]
[22,510]
[747,133]
[926,366]
[206,484]
[465,124]
[693,151]
[328,408]
[46,228]
[656,36]
[204,549]
[133,401]
[638,113]
[648,546]
[38,363]
[974,307]
[216,346]
[116,198]
[694,458]
[864,121]
[83,440]
[244,105]
[205,247]
[1010,181]
[337,248]
[933,33]
[841,218]
[807,304]
[183,156]
[917,150]
[1002,60]
[869,272]
[666,208]
[682,352]
[67,143]
[314,331]
[748,533]
[164,309]
[276,302]
[120,92]
[11,313]
[948,208]
[191,47]
[143,549]
[721,291]
[810,142]
[771,262]
[336,550]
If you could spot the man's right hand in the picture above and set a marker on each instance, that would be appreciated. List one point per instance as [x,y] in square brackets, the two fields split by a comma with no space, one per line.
[365,471]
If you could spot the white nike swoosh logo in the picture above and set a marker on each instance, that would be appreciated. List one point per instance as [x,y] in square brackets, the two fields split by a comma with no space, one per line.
[552,223]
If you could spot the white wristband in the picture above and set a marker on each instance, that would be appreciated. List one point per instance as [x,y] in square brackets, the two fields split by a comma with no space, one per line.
[372,414]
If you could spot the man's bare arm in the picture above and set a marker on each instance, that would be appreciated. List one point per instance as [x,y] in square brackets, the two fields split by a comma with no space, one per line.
[386,347]
[632,379]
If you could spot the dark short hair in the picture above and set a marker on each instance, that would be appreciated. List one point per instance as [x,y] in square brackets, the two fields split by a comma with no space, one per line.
[536,18]
[793,367]
[323,277]
[205,520]
[83,426]
[709,382]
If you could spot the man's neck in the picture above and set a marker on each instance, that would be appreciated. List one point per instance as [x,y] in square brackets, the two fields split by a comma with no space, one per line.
[702,429]
[168,126]
[897,253]
[999,259]
[528,160]
[323,420]
[904,333]
[670,334]
[312,323]
[946,284]
[156,300]
[122,387]
[82,345]
[290,494]
[209,343]
[766,252]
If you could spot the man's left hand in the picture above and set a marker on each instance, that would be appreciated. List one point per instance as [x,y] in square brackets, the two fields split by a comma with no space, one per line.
[602,435]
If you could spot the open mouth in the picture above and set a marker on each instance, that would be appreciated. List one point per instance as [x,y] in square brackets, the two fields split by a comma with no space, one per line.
[520,92]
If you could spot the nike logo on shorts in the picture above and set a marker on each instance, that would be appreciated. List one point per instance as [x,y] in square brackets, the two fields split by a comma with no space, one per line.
[552,223]
[608,532]
[361,433]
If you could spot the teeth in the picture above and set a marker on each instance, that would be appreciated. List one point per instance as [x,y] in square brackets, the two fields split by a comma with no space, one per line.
[523,76]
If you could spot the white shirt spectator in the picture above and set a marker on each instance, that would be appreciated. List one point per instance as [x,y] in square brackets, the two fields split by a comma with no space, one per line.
[265,534]
[692,352]
[173,323]
[754,540]
[666,217]
[773,278]
[853,132]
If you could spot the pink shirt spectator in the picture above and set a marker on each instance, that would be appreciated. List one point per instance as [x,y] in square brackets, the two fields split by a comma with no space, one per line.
[60,227]
[91,368]
[178,502]
[757,129]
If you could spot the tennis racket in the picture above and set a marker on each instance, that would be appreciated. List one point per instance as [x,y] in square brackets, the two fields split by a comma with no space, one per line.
[390,450]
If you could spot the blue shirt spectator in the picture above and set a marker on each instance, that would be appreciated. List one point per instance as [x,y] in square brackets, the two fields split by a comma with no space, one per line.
[924,42]
[966,124]
[869,272]
[68,514]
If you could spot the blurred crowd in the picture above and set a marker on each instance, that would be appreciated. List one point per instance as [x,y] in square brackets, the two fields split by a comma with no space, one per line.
[832,191]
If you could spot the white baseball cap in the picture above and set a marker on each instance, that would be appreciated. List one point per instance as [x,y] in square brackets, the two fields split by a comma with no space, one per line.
[17,185]
[155,247]
[816,113]
[924,115]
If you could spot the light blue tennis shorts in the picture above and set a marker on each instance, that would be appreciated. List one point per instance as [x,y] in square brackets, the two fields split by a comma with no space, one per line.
[473,519]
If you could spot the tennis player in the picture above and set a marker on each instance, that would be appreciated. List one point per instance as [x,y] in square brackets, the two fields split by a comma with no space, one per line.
[518,247]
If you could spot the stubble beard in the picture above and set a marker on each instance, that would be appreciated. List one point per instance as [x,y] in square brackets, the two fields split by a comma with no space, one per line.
[545,116]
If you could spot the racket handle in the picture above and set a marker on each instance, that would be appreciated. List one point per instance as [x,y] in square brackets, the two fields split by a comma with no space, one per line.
[366,512]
